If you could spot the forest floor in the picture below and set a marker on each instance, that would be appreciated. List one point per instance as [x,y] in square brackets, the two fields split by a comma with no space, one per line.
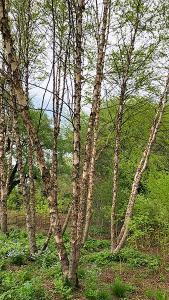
[133,274]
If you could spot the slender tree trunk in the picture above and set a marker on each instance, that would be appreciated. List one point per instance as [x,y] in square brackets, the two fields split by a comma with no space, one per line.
[26,190]
[31,209]
[65,224]
[87,177]
[141,168]
[116,172]
[23,111]
[79,8]
[3,196]
[118,128]
[89,208]
[45,245]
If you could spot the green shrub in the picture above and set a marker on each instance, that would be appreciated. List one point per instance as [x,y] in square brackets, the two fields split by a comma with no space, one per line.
[27,291]
[24,275]
[17,259]
[13,245]
[120,289]
[81,273]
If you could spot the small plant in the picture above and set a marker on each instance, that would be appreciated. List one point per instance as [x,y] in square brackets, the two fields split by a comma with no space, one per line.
[17,259]
[2,265]
[157,295]
[98,294]
[96,245]
[120,289]
[62,287]
[47,259]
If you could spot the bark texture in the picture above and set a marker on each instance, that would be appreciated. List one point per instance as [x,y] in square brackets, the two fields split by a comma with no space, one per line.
[3,203]
[79,9]
[23,111]
[87,178]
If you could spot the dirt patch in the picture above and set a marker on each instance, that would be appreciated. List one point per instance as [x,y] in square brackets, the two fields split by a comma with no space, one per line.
[142,278]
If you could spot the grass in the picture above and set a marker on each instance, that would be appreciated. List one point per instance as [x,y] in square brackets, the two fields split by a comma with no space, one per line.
[157,294]
[120,289]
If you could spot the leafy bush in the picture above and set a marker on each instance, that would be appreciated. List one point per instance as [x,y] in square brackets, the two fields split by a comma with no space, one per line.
[2,265]
[15,200]
[14,245]
[17,259]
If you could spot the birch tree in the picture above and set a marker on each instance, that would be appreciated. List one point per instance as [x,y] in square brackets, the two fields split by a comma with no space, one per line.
[69,265]
[134,75]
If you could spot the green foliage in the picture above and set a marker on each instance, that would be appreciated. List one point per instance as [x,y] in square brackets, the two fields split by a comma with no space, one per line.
[96,291]
[157,295]
[14,200]
[63,288]
[99,258]
[21,286]
[120,289]
[26,289]
[98,294]
[96,245]
[17,259]
[16,245]
[93,290]
[127,255]
[47,259]
[152,211]
[136,258]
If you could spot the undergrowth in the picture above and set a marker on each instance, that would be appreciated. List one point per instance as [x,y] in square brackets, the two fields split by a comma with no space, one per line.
[23,279]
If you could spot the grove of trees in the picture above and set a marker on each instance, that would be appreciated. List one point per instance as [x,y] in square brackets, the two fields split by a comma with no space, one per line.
[84,124]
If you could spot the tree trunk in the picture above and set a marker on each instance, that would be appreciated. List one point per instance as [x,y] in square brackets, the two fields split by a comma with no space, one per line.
[119,119]
[87,178]
[21,98]
[3,216]
[141,168]
[76,140]
[116,172]
[89,208]
[3,196]
[65,224]
[26,190]
[31,223]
